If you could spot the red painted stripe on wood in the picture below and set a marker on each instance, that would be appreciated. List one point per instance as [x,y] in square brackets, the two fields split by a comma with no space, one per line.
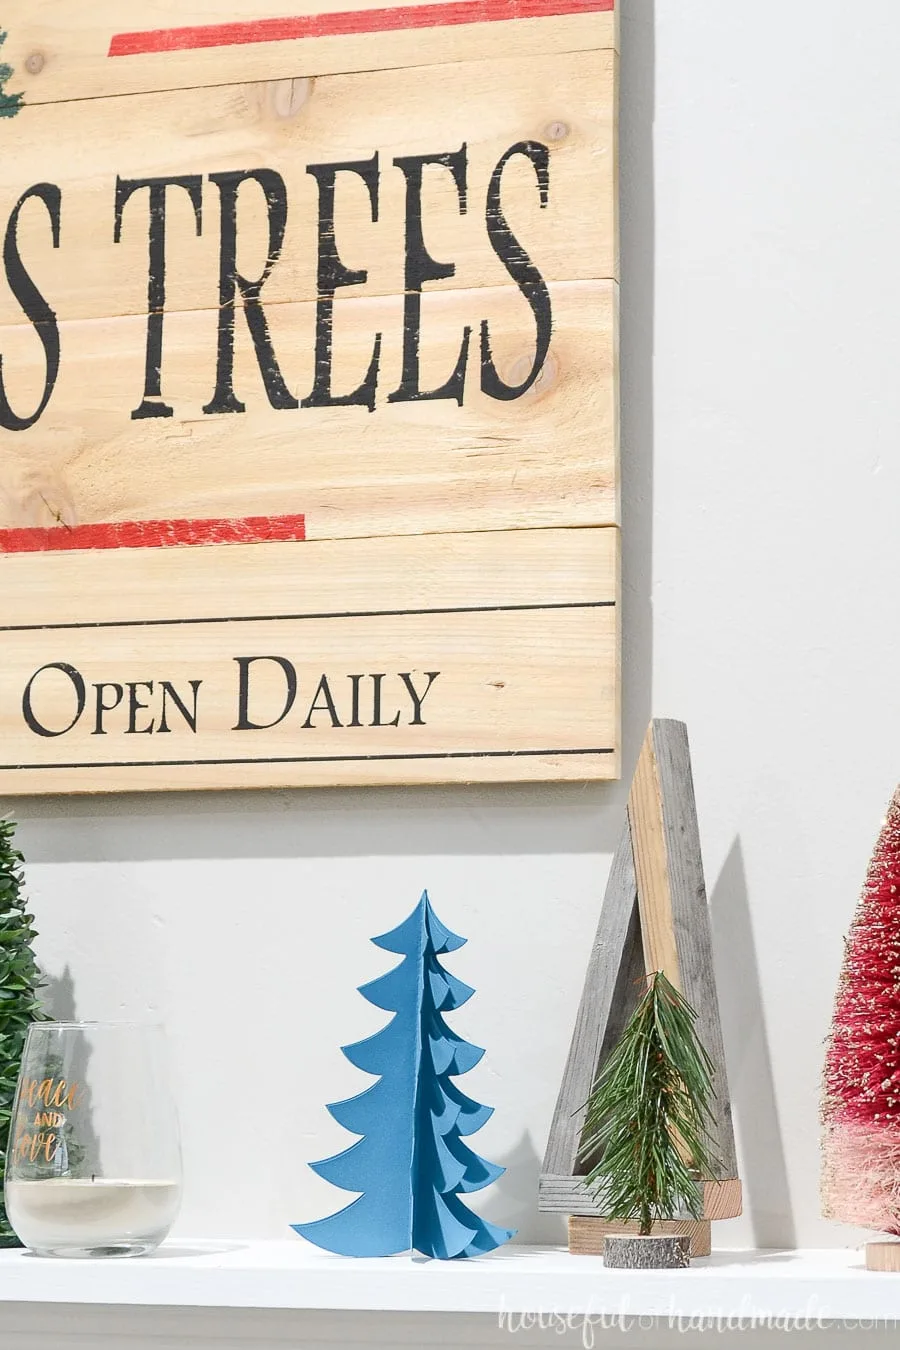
[153,534]
[347,22]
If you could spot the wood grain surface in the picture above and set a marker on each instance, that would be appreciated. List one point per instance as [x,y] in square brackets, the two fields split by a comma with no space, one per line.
[883,1256]
[547,459]
[60,51]
[431,659]
[654,917]
[569,1195]
[565,102]
[307,317]
[609,969]
[587,1233]
[651,865]
[690,917]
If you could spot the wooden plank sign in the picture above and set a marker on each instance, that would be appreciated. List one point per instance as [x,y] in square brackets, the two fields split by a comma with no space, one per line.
[308,393]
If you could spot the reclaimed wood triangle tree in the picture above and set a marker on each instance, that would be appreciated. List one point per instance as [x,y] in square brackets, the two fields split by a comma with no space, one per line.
[411,1164]
[654,918]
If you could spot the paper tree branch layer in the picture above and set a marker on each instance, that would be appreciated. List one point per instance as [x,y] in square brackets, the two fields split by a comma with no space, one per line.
[411,1165]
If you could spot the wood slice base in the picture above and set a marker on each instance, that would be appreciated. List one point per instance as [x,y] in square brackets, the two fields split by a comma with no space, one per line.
[588,1234]
[656,1252]
[883,1256]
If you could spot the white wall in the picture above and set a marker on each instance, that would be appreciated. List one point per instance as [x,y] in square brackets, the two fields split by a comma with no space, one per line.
[761,377]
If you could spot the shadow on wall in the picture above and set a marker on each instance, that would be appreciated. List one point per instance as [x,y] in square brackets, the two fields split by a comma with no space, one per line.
[58,996]
[638,227]
[510,1202]
[320,823]
[767,1196]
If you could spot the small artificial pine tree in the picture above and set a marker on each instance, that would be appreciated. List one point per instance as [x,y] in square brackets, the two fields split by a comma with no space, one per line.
[648,1115]
[9,103]
[411,1164]
[861,1099]
[19,983]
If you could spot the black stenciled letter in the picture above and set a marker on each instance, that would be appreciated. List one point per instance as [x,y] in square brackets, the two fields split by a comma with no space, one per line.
[80,694]
[35,306]
[323,690]
[421,267]
[417,698]
[290,677]
[152,404]
[521,269]
[377,681]
[332,274]
[104,707]
[170,692]
[135,706]
[224,399]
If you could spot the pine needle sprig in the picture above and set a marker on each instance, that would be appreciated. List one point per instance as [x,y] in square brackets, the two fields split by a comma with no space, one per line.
[648,1116]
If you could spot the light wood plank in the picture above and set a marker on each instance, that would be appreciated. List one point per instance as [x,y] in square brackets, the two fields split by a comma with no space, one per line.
[518,629]
[565,102]
[723,1199]
[551,567]
[587,1234]
[60,51]
[690,915]
[884,1256]
[548,458]
[651,866]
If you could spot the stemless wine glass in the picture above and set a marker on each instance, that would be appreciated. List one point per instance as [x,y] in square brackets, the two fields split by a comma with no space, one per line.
[93,1166]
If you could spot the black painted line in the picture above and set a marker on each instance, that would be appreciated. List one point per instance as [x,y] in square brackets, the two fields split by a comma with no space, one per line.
[311,759]
[294,618]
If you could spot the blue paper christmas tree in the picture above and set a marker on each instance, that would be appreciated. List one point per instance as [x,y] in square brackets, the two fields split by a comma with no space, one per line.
[411,1164]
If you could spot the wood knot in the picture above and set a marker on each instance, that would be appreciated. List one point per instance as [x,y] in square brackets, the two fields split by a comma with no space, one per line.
[556,131]
[287,97]
[544,381]
[35,63]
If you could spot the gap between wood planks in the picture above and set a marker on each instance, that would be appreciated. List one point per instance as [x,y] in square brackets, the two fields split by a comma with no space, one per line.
[565,50]
[168,312]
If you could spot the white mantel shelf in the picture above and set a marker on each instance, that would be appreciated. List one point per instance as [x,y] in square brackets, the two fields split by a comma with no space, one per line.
[818,1285]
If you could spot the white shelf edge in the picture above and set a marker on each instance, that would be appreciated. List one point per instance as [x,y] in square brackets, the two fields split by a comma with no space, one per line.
[727,1288]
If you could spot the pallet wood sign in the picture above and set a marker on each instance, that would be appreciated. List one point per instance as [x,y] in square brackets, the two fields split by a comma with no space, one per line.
[654,917]
[308,393]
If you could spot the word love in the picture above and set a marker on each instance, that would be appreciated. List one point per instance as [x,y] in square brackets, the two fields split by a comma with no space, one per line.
[265,189]
[267,691]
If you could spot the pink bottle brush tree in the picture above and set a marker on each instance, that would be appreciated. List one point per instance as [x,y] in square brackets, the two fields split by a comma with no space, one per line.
[861,1105]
